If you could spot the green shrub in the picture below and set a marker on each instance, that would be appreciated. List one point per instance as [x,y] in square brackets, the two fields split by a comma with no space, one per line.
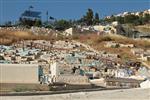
[117,46]
[21,89]
[107,38]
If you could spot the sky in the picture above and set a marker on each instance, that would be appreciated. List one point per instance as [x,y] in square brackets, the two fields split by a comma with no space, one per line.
[10,10]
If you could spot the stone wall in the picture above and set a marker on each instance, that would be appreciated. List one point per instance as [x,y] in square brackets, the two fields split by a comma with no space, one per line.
[19,73]
[73,79]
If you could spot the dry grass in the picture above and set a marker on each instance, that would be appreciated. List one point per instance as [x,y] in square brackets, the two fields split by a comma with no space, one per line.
[98,43]
[143,28]
[9,37]
[93,39]
[21,87]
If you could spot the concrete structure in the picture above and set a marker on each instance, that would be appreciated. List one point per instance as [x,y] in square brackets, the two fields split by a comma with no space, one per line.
[68,31]
[145,84]
[121,73]
[98,27]
[54,68]
[122,82]
[19,73]
[73,79]
[107,29]
[115,23]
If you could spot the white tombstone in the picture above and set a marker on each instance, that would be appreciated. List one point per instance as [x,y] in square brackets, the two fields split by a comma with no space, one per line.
[145,84]
[69,31]
[54,68]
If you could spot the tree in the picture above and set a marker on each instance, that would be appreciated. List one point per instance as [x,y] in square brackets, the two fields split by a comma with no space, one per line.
[146,18]
[120,19]
[88,18]
[131,19]
[82,21]
[107,20]
[62,25]
[112,18]
[96,19]
[38,23]
[8,23]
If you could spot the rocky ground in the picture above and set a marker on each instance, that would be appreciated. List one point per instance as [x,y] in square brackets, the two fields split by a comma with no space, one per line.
[122,94]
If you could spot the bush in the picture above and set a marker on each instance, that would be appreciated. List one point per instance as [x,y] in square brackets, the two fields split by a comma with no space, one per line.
[107,38]
[21,89]
[117,46]
[75,37]
[103,38]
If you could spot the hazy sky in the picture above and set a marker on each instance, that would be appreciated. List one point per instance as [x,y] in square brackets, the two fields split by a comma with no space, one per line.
[69,9]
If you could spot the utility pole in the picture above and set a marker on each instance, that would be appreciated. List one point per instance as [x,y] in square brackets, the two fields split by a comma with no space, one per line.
[47,16]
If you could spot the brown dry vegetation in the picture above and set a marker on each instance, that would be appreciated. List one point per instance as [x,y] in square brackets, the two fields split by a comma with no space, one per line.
[16,87]
[98,43]
[93,39]
[9,37]
[143,28]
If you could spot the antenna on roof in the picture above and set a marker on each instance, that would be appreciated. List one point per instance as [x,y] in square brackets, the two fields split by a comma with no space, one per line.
[30,7]
[52,18]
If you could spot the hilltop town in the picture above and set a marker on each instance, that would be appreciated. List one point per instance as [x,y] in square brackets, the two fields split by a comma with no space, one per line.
[108,55]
